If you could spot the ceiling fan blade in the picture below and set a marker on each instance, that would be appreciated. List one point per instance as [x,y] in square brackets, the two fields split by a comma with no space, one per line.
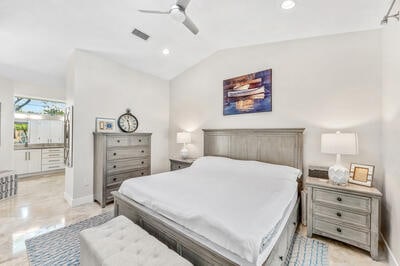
[183,3]
[153,11]
[190,25]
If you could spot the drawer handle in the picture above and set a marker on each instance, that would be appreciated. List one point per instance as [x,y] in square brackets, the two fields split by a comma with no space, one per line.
[281,258]
[118,140]
[339,199]
[140,140]
[114,179]
[115,153]
[142,173]
[339,214]
[142,162]
[179,166]
[114,166]
[142,151]
[339,230]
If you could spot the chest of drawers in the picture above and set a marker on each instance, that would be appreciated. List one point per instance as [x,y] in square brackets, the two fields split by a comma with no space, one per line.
[350,213]
[117,157]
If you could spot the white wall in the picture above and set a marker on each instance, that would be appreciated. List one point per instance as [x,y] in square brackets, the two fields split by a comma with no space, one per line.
[323,84]
[101,88]
[391,133]
[38,91]
[7,125]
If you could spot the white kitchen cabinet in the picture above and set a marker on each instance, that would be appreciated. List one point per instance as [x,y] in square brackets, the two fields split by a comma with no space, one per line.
[46,131]
[52,159]
[34,129]
[56,131]
[20,162]
[34,161]
[28,161]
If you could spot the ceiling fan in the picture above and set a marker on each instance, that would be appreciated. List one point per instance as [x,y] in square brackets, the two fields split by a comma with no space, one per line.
[177,12]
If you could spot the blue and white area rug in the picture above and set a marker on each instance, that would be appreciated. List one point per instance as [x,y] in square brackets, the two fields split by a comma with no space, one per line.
[307,251]
[61,246]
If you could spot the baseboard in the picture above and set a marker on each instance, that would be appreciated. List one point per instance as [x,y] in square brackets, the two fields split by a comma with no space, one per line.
[68,198]
[391,258]
[79,201]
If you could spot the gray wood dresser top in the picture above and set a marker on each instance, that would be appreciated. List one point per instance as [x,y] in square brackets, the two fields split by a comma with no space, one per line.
[349,213]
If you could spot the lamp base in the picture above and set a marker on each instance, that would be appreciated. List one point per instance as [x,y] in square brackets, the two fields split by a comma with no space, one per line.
[338,174]
[184,153]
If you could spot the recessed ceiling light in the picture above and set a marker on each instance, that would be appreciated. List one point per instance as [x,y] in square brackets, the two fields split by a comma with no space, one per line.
[288,4]
[165,51]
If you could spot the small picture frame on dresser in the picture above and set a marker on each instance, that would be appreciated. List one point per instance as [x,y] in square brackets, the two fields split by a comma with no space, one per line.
[361,174]
[105,125]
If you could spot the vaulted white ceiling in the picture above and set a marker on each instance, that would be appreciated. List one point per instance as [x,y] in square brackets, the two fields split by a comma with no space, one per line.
[37,37]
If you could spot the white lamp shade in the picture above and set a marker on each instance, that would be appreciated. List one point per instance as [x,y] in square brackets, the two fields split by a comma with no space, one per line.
[183,137]
[339,143]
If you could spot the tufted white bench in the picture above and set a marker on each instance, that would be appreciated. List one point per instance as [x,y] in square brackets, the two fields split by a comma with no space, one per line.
[121,242]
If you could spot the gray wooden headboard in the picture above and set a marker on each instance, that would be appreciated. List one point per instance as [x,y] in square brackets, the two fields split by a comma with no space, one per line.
[277,146]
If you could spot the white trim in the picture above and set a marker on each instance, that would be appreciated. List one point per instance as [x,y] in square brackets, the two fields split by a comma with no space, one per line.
[82,200]
[68,198]
[79,201]
[391,258]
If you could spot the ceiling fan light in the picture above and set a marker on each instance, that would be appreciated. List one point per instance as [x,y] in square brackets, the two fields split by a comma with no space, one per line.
[177,14]
[288,4]
[165,51]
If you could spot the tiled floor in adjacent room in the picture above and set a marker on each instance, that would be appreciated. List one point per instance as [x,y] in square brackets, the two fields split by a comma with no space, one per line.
[40,207]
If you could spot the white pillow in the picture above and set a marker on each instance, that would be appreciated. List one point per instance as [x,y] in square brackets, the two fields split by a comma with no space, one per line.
[245,168]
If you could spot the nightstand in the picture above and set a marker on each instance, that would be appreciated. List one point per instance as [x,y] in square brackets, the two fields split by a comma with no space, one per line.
[177,163]
[350,213]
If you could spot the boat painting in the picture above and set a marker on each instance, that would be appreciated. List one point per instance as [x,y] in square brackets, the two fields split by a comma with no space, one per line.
[250,93]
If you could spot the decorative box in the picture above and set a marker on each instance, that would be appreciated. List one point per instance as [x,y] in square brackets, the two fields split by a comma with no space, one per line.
[8,184]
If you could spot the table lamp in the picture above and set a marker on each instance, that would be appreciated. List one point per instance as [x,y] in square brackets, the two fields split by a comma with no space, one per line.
[183,138]
[339,143]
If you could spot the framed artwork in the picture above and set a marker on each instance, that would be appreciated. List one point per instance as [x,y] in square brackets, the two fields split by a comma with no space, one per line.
[250,93]
[361,174]
[68,136]
[106,125]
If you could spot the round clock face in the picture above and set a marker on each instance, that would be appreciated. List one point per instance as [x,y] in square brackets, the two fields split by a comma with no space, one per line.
[128,123]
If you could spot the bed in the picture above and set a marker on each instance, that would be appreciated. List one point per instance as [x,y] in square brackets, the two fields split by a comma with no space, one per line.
[212,235]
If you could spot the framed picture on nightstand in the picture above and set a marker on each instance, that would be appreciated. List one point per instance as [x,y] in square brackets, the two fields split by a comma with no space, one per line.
[361,174]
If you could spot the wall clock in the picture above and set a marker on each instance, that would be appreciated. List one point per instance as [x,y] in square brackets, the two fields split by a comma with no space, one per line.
[127,122]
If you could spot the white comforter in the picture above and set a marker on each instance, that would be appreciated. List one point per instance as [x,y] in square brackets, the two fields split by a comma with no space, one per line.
[235,204]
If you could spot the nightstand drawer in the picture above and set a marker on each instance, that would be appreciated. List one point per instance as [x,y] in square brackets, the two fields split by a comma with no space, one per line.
[344,200]
[342,216]
[177,166]
[340,232]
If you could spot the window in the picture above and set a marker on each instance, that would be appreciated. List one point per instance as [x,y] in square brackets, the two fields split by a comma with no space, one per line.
[36,106]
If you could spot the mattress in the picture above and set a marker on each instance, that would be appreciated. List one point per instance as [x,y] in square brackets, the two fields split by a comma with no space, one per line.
[238,208]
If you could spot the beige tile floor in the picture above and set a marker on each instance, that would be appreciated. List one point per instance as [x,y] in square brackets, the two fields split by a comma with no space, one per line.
[40,207]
